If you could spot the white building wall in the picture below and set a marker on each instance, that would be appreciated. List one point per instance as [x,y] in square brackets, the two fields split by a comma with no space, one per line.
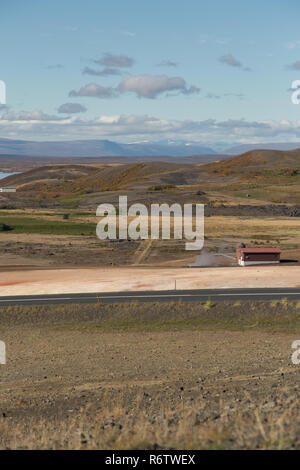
[253,263]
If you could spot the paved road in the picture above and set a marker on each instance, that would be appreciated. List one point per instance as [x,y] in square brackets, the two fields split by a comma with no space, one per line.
[155,296]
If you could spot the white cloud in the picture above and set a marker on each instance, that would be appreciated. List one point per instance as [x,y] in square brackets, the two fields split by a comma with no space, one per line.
[95,91]
[54,67]
[212,96]
[31,124]
[108,119]
[101,73]
[128,33]
[167,63]
[150,86]
[144,86]
[111,60]
[28,116]
[230,60]
[71,108]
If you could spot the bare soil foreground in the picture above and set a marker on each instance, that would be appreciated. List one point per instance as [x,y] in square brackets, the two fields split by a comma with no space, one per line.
[56,281]
[150,376]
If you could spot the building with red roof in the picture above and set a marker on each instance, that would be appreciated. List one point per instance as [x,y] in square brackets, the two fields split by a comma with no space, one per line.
[252,256]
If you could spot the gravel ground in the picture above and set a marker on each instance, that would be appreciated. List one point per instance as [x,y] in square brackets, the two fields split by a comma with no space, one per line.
[69,382]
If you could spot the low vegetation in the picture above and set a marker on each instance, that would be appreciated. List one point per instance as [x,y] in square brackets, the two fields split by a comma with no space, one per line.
[5,227]
[150,426]
[161,187]
[274,316]
[29,224]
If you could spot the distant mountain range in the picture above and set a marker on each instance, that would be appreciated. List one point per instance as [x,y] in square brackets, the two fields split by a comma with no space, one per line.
[107,148]
[99,148]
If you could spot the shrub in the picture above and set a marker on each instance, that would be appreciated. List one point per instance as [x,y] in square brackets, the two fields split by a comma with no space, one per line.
[284,302]
[5,228]
[161,187]
[208,305]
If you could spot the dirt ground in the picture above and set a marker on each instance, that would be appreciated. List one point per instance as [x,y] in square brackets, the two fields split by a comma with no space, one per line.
[57,281]
[69,381]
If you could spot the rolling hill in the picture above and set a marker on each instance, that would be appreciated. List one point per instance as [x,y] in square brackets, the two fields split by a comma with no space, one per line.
[88,178]
[259,175]
[74,178]
[256,160]
[243,148]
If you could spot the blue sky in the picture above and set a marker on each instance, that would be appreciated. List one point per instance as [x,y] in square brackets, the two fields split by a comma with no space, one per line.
[214,72]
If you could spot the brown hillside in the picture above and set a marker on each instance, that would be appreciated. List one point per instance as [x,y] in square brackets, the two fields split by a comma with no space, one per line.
[257,159]
[49,172]
[81,178]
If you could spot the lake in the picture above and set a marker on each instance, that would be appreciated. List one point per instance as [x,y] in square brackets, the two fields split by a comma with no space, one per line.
[4,175]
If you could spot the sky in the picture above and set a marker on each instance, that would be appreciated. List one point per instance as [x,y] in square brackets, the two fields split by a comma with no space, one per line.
[214,72]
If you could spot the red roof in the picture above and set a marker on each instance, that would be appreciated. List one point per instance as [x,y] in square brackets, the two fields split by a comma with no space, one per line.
[259,250]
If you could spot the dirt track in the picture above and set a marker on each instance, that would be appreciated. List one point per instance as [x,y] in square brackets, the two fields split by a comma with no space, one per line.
[105,279]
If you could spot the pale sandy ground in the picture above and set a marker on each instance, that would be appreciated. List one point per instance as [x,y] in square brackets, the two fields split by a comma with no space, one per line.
[80,280]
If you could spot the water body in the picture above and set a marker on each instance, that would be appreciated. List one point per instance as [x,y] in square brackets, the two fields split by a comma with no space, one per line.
[4,175]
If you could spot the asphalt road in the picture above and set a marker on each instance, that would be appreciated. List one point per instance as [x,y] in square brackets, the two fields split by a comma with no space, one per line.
[200,295]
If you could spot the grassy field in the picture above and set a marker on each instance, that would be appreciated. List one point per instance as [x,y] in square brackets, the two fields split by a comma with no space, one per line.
[263,193]
[263,230]
[33,225]
[27,239]
[277,316]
